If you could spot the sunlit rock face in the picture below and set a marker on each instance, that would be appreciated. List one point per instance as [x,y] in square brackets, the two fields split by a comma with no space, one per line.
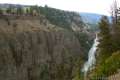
[28,52]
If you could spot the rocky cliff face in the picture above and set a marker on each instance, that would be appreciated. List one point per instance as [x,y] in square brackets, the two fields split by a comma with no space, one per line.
[30,50]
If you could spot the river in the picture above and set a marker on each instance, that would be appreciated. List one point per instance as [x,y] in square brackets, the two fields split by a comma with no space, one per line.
[91,57]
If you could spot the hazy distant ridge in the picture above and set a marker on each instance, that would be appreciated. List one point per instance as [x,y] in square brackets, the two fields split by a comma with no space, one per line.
[92,18]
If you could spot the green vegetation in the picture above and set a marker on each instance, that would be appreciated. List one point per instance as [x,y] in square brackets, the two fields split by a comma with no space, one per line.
[57,17]
[109,48]
[105,46]
[61,18]
[1,11]
[20,11]
[110,66]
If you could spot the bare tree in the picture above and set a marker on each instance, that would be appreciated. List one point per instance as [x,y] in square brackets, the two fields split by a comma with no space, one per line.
[114,11]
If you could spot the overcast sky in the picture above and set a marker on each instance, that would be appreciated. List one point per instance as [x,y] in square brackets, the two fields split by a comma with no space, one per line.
[92,6]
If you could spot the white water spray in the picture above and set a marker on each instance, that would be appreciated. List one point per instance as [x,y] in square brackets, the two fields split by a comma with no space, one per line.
[91,57]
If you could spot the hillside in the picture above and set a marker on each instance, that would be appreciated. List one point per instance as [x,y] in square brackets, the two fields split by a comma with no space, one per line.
[30,51]
[65,19]
[91,20]
[70,21]
[90,17]
[43,43]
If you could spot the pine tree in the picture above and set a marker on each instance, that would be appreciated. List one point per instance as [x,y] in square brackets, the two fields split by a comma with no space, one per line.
[115,12]
[31,10]
[1,11]
[20,11]
[27,11]
[117,32]
[9,10]
[105,46]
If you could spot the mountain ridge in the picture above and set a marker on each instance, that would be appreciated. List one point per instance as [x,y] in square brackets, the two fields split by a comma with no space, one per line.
[92,17]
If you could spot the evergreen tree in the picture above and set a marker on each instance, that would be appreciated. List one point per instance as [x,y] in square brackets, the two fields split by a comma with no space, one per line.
[20,11]
[27,11]
[116,37]
[9,10]
[116,34]
[105,46]
[31,10]
[1,11]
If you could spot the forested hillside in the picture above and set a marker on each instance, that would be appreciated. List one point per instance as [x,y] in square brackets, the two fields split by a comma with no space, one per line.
[62,18]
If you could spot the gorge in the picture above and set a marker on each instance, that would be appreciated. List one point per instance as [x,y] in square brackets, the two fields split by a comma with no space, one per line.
[46,43]
[50,44]
[91,57]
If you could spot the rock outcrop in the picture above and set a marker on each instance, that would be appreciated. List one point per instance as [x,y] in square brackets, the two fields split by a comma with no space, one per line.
[30,50]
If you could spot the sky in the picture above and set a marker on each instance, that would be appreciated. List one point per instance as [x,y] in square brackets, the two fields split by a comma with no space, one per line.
[90,6]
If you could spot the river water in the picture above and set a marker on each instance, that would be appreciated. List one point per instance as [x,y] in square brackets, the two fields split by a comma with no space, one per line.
[91,57]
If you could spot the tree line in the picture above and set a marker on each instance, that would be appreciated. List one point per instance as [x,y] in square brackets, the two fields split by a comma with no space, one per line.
[20,10]
[109,46]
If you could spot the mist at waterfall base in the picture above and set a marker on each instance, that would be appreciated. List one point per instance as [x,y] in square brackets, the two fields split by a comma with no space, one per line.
[91,57]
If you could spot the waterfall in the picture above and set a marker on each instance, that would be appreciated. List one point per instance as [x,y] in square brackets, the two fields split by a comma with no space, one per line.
[91,57]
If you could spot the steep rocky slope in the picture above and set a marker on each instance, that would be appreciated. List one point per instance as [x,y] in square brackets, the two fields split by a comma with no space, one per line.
[30,50]
[41,43]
